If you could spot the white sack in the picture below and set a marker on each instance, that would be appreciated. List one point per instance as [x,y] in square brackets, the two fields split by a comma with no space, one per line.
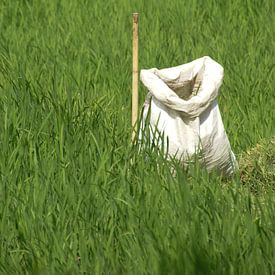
[184,109]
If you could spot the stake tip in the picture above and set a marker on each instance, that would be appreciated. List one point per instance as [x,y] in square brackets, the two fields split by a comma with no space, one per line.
[135,17]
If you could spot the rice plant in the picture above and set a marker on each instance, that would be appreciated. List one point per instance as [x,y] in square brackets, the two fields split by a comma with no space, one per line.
[76,197]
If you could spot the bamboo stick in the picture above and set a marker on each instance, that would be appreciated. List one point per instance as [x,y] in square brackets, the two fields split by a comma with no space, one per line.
[135,77]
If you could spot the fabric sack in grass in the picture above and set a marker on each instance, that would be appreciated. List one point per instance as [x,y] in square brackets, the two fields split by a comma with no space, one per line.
[184,111]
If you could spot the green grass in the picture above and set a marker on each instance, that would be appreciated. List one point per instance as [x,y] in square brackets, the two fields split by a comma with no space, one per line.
[75,196]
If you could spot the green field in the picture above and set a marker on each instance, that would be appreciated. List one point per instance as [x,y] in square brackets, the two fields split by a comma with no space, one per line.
[75,196]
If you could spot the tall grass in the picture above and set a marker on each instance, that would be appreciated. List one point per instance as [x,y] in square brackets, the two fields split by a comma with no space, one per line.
[75,195]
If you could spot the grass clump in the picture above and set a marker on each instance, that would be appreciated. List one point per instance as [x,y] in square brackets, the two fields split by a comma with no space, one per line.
[257,166]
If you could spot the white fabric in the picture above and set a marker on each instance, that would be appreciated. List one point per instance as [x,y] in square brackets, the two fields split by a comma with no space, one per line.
[184,109]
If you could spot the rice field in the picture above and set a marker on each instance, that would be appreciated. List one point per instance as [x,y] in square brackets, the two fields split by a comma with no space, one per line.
[75,196]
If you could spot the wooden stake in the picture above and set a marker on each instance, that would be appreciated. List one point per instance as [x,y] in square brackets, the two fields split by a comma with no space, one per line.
[135,77]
